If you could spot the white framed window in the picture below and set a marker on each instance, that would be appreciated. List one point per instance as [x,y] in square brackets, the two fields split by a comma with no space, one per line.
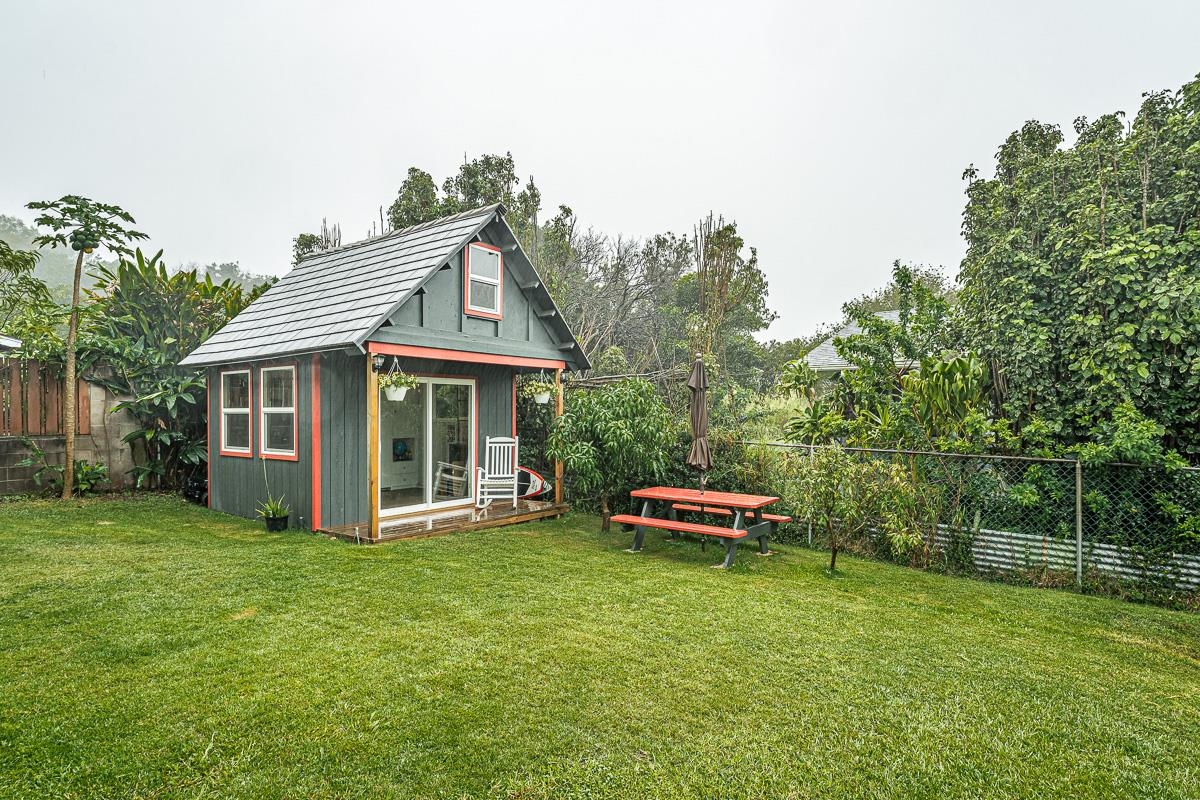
[277,407]
[484,273]
[235,412]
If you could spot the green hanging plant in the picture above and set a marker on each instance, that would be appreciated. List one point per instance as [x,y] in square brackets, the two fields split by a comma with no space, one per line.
[538,389]
[398,379]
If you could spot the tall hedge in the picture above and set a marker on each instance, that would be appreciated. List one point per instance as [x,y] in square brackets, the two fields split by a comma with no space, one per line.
[1081,284]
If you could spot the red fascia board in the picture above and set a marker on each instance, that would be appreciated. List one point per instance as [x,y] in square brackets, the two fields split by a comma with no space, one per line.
[470,357]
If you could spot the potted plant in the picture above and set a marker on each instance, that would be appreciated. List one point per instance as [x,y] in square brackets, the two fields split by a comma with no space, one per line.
[540,390]
[395,384]
[274,512]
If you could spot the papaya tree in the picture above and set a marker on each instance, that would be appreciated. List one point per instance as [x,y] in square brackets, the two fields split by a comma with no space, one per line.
[85,226]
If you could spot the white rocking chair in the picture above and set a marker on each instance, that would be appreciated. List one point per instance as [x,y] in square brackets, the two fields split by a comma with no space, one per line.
[497,479]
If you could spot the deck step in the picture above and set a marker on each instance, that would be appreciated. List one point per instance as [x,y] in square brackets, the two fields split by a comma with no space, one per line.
[725,512]
[681,527]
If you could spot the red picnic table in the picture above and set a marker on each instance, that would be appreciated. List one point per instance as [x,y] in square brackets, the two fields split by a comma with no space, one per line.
[661,506]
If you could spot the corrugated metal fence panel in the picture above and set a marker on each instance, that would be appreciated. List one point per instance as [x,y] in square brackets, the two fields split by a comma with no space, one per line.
[1005,551]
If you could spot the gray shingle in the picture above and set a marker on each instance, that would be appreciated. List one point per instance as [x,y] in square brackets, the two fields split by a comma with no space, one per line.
[824,357]
[337,298]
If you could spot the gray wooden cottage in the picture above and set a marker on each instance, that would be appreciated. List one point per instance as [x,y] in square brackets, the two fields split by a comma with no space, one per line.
[294,405]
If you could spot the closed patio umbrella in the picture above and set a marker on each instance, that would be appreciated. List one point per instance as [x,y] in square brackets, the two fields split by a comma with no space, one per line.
[699,455]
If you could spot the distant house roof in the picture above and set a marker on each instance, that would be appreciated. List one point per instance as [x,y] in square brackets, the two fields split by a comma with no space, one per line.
[8,343]
[824,357]
[338,298]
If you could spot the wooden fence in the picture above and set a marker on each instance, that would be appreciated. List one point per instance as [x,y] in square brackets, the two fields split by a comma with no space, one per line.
[31,400]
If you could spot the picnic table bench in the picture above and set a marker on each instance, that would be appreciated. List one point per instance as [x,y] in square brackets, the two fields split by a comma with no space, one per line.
[661,506]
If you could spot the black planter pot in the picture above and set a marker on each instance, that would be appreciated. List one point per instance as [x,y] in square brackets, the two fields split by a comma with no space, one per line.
[276,524]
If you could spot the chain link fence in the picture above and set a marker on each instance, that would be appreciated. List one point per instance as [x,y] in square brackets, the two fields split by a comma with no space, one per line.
[1110,528]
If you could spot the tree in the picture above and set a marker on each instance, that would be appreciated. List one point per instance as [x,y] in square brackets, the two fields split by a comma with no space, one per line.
[229,271]
[86,226]
[417,201]
[308,243]
[1081,278]
[726,296]
[146,320]
[18,287]
[481,182]
[27,309]
[845,496]
[612,439]
[884,350]
[53,267]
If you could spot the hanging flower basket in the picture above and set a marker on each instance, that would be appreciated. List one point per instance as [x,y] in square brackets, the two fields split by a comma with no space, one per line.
[539,390]
[396,383]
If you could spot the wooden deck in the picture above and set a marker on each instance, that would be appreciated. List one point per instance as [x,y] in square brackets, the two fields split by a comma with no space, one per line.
[455,520]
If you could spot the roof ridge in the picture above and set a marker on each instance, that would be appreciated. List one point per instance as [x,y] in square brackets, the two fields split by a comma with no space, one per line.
[477,211]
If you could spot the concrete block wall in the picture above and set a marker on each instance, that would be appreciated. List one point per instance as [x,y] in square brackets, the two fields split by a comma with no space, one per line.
[103,445]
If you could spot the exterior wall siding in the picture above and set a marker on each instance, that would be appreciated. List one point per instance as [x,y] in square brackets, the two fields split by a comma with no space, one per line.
[435,317]
[236,485]
[344,439]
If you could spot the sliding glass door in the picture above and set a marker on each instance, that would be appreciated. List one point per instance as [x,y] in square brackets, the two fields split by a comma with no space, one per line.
[426,455]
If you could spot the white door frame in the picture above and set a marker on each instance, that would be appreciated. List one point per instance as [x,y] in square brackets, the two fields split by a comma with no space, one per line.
[426,385]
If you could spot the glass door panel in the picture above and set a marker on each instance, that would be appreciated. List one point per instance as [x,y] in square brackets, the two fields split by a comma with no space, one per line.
[402,473]
[425,446]
[450,448]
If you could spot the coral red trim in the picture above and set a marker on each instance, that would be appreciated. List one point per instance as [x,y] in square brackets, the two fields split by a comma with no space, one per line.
[474,312]
[316,441]
[441,354]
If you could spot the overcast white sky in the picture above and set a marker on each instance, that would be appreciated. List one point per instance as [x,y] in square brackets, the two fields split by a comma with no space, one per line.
[834,133]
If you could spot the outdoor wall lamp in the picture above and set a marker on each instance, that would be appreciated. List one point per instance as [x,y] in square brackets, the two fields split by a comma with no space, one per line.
[377,362]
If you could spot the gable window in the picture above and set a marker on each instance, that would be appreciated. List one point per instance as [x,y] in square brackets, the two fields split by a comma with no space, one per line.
[277,387]
[235,413]
[483,271]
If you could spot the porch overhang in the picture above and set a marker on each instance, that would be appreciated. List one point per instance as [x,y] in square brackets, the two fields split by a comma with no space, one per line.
[465,356]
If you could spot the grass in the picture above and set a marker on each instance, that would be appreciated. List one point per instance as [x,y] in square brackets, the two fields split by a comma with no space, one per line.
[151,649]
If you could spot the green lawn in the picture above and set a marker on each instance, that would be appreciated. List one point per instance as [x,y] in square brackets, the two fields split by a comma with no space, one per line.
[152,649]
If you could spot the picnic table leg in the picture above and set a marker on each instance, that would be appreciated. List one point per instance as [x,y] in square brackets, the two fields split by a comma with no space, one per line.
[639,533]
[730,553]
[731,544]
[763,549]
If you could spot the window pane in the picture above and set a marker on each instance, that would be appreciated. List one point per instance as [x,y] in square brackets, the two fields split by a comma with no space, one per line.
[483,295]
[277,388]
[236,388]
[485,263]
[237,431]
[279,432]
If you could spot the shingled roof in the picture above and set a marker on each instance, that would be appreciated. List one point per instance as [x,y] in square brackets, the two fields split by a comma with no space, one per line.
[339,298]
[824,357]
